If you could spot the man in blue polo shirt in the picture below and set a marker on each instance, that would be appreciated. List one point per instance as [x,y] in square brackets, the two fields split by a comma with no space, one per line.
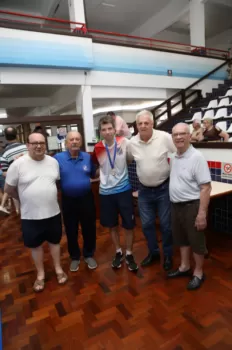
[76,169]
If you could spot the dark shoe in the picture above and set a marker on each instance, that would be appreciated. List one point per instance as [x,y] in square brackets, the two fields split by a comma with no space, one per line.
[116,263]
[178,273]
[167,263]
[74,266]
[150,259]
[132,266]
[195,282]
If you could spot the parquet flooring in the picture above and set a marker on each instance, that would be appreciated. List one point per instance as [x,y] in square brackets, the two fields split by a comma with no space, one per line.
[107,309]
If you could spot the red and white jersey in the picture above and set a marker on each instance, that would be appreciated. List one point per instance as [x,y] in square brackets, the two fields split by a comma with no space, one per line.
[112,183]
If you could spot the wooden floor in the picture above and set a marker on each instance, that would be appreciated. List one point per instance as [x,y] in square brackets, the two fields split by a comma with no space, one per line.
[106,309]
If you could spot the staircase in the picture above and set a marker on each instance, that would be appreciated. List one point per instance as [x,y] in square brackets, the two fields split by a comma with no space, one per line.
[196,106]
[182,105]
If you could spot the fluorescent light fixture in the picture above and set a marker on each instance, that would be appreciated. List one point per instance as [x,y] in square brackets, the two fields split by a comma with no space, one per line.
[3,113]
[106,4]
[127,107]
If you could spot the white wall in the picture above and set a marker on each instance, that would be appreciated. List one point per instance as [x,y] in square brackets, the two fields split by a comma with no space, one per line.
[63,77]
[217,155]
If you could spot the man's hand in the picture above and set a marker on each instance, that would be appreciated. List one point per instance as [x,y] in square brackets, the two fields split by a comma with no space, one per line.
[201,222]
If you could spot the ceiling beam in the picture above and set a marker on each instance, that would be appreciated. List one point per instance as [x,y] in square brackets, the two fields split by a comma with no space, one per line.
[164,19]
[109,92]
[58,101]
[10,102]
[227,3]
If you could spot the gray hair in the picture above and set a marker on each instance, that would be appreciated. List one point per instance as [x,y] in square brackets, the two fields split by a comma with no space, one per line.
[142,113]
[182,124]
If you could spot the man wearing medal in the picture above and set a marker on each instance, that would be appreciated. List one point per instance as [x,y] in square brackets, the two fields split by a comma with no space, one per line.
[115,190]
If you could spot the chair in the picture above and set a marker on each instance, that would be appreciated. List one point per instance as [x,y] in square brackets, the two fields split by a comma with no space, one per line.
[224,102]
[197,115]
[209,114]
[212,104]
[222,125]
[229,92]
[229,129]
[221,113]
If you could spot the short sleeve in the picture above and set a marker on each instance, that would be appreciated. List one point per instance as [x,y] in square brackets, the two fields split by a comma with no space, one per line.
[218,130]
[57,167]
[12,175]
[170,144]
[94,157]
[202,173]
[129,155]
[4,165]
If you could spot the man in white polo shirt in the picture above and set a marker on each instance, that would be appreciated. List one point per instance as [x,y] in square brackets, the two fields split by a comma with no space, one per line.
[190,187]
[32,179]
[150,150]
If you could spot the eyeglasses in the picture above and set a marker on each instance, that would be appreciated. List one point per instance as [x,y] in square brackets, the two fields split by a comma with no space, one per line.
[181,134]
[36,144]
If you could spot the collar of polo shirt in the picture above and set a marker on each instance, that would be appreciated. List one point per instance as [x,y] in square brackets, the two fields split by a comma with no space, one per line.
[152,137]
[186,154]
[79,157]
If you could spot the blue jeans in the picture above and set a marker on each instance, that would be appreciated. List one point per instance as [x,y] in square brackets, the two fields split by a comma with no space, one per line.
[152,201]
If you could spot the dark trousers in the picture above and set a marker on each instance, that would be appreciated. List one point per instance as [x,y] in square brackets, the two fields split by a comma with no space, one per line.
[80,210]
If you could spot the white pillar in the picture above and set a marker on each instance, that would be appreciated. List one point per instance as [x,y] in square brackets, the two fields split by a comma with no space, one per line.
[76,12]
[54,130]
[197,22]
[84,107]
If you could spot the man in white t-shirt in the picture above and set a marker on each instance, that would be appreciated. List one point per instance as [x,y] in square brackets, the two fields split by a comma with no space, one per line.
[32,179]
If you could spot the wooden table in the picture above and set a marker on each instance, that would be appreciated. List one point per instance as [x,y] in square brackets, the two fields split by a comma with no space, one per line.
[218,189]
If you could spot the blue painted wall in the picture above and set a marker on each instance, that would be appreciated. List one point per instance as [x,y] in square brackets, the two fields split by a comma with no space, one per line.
[132,60]
[32,49]
[19,48]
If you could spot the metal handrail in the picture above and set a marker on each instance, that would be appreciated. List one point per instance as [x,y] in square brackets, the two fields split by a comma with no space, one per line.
[113,36]
[182,95]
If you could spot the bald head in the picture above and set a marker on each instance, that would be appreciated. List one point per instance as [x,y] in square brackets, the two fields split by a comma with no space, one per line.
[181,127]
[73,142]
[72,134]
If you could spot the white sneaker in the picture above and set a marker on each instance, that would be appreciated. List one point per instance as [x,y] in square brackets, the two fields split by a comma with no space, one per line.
[3,211]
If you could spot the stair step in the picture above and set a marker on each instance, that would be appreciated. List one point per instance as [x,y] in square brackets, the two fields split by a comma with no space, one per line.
[196,106]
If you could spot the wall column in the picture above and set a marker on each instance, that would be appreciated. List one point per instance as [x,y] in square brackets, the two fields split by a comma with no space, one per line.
[76,12]
[197,22]
[84,106]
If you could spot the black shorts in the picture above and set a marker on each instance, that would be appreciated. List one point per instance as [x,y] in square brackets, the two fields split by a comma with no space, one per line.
[36,232]
[116,204]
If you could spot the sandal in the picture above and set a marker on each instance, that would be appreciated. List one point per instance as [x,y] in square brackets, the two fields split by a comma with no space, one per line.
[38,286]
[62,276]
